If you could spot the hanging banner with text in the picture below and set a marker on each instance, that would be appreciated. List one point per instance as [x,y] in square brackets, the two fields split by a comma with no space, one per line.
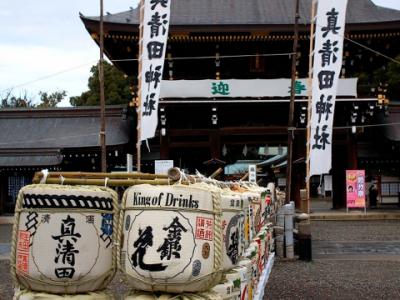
[155,23]
[328,51]
[355,188]
[246,88]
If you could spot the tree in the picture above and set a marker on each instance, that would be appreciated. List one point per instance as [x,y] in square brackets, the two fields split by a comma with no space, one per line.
[8,100]
[116,88]
[387,77]
[390,75]
[51,100]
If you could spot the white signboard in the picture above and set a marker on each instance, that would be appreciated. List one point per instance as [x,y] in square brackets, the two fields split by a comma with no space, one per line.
[154,43]
[328,183]
[162,166]
[252,173]
[327,65]
[245,88]
[282,181]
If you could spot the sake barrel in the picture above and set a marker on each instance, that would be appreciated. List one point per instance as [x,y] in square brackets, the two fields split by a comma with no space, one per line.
[244,278]
[63,238]
[233,228]
[247,211]
[226,291]
[30,295]
[141,295]
[254,212]
[248,292]
[172,238]
[234,277]
[252,253]
[260,240]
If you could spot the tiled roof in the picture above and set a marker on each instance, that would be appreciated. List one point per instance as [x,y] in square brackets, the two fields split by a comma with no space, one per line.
[254,12]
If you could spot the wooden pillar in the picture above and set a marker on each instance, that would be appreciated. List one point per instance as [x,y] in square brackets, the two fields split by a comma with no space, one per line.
[164,147]
[352,151]
[3,193]
[299,171]
[215,143]
[339,165]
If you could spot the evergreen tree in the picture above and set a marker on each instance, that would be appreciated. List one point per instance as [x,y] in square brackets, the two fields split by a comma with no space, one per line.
[116,88]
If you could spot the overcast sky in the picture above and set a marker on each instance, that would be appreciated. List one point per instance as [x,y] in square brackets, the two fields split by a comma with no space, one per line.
[42,37]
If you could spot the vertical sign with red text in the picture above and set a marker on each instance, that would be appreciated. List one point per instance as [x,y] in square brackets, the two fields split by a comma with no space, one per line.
[355,188]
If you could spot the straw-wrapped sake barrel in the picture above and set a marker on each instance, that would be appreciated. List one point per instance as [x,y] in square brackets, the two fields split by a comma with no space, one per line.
[247,290]
[234,276]
[253,212]
[226,290]
[29,295]
[141,295]
[244,279]
[233,228]
[172,238]
[63,238]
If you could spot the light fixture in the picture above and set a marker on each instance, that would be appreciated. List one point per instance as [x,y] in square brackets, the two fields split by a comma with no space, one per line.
[353,117]
[353,129]
[303,111]
[214,117]
[224,150]
[163,119]
[244,151]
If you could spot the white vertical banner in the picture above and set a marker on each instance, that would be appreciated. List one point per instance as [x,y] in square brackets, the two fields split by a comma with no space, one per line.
[329,34]
[252,173]
[155,23]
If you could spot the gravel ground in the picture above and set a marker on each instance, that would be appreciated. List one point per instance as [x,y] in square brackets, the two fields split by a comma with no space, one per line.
[356,230]
[325,279]
[6,288]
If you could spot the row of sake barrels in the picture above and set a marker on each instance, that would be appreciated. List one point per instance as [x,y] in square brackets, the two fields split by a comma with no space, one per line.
[241,282]
[171,238]
[181,238]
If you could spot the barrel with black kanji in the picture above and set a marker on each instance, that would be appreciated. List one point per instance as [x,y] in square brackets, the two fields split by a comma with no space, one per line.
[172,238]
[233,228]
[63,238]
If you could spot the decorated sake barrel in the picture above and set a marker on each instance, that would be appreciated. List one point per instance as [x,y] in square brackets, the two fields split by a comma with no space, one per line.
[272,191]
[248,224]
[63,238]
[247,292]
[30,295]
[260,240]
[234,277]
[226,290]
[252,253]
[142,295]
[233,228]
[244,279]
[172,238]
[254,212]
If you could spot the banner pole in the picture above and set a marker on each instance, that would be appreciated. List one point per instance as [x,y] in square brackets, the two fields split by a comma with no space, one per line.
[139,95]
[309,108]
